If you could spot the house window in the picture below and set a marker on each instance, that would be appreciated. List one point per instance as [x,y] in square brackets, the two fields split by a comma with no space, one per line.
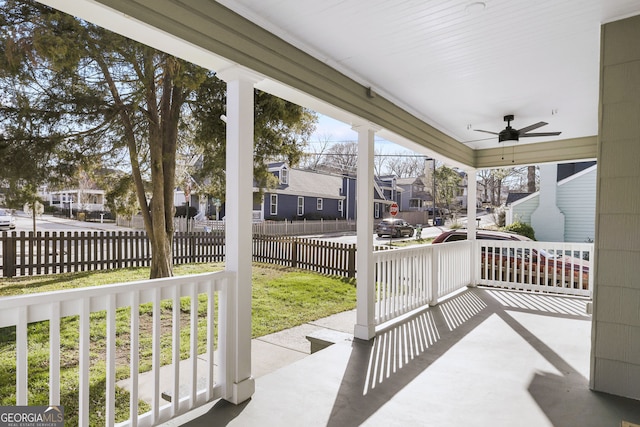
[284,176]
[340,205]
[300,205]
[415,203]
[319,204]
[274,204]
[376,210]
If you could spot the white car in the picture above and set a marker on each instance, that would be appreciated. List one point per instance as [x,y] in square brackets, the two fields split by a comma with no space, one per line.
[7,220]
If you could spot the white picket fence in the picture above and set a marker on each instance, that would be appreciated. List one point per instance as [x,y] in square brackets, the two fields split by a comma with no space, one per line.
[260,228]
[107,302]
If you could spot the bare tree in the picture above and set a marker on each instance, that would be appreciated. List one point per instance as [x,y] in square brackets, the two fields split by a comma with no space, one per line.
[340,158]
[405,166]
[312,158]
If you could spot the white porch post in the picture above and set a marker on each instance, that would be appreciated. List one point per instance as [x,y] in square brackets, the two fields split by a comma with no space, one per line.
[239,207]
[471,222]
[365,321]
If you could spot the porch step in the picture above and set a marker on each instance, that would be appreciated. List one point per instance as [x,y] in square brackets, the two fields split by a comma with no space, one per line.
[323,338]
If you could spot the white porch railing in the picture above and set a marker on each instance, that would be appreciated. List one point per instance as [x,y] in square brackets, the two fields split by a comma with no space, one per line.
[107,302]
[557,267]
[409,278]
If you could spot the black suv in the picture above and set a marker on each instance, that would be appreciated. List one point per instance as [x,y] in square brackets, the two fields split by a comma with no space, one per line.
[394,227]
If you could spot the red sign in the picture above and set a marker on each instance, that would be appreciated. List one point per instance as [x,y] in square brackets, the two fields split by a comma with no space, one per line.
[393,210]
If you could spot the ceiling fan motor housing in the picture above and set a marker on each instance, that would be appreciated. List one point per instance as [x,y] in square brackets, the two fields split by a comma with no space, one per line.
[508,134]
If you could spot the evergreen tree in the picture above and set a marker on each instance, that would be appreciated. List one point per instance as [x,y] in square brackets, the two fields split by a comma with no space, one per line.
[73,91]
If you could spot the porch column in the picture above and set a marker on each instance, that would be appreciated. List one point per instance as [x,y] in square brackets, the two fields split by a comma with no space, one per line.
[365,320]
[471,222]
[615,351]
[238,227]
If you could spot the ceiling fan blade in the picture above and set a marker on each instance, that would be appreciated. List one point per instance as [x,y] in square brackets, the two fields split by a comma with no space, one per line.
[477,140]
[486,131]
[532,127]
[540,134]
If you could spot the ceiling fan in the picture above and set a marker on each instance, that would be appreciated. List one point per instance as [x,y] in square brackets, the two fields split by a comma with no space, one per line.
[511,134]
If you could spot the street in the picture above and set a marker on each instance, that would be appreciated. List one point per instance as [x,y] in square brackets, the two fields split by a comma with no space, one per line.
[50,223]
[485,220]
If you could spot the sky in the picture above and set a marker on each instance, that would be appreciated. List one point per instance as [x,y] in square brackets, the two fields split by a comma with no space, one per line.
[335,131]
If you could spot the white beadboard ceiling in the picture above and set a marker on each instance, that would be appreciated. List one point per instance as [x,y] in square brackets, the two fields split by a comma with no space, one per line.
[460,65]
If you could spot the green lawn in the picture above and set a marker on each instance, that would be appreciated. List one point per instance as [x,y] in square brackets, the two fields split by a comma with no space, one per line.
[282,298]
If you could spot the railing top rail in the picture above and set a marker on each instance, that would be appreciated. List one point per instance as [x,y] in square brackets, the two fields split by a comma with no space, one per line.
[535,244]
[11,302]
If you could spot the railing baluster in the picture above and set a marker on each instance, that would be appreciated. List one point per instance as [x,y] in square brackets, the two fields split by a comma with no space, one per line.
[111,361]
[211,328]
[22,361]
[175,343]
[83,405]
[134,356]
[54,354]
[194,344]
[155,352]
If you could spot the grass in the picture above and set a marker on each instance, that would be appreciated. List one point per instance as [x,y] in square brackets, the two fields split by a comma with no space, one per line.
[282,298]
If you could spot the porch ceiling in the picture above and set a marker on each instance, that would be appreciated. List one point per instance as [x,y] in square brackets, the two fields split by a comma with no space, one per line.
[437,70]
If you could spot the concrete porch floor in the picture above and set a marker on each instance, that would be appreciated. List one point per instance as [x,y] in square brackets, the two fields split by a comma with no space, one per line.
[484,357]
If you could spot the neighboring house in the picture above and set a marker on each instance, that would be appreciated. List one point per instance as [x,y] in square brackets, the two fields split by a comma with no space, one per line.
[76,199]
[306,194]
[461,198]
[416,196]
[386,191]
[569,214]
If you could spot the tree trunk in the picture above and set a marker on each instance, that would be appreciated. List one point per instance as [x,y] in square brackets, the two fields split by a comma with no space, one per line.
[161,256]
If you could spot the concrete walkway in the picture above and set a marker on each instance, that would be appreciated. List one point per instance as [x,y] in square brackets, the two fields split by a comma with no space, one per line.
[268,354]
[485,357]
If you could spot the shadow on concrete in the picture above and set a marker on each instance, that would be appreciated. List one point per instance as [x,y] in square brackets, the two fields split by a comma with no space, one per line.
[220,414]
[379,369]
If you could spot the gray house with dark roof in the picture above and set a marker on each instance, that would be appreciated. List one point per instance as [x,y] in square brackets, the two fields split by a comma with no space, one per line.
[304,194]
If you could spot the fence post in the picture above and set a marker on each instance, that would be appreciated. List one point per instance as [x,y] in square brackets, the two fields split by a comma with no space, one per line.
[9,254]
[192,249]
[119,249]
[351,261]
[294,253]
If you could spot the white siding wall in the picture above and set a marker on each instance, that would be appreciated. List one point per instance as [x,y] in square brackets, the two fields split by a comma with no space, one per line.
[615,356]
[522,211]
[577,200]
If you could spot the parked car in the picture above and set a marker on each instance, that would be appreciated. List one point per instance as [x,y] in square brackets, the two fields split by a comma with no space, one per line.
[546,266]
[7,220]
[394,227]
[455,235]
